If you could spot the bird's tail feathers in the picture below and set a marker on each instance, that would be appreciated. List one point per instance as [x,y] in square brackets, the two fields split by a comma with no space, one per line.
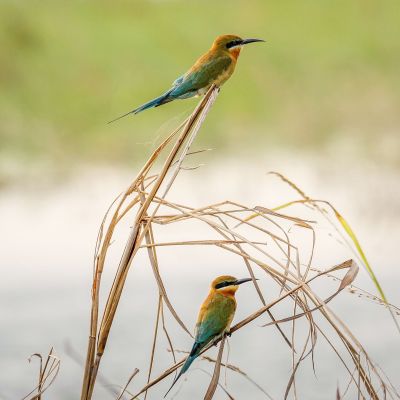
[192,356]
[164,98]
[185,367]
[121,116]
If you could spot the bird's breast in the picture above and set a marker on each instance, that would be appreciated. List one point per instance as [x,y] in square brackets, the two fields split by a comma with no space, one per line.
[225,75]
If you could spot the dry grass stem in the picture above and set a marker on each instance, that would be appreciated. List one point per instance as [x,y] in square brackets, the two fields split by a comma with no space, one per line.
[99,334]
[47,374]
[125,388]
[215,378]
[260,238]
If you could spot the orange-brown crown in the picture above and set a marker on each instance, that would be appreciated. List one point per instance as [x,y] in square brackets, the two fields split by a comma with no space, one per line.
[225,280]
[223,40]
[227,284]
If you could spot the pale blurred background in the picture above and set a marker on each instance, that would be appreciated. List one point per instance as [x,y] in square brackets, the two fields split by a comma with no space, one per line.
[319,102]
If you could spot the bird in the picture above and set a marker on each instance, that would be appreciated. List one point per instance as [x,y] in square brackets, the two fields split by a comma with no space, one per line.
[215,317]
[214,67]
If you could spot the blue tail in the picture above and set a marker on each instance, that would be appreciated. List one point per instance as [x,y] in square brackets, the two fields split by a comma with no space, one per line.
[164,98]
[192,356]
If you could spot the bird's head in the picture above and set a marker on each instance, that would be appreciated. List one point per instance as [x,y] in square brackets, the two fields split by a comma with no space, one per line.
[227,283]
[232,43]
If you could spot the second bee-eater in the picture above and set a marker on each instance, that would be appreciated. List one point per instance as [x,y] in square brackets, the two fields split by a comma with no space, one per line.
[214,67]
[215,316]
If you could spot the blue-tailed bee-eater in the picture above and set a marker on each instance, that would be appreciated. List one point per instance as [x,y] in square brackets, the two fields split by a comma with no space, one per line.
[215,316]
[214,67]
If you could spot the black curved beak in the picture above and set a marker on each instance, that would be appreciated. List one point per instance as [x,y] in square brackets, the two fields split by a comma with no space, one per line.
[247,41]
[240,281]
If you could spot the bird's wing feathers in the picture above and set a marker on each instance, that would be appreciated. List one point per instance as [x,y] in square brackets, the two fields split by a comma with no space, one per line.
[200,76]
[206,73]
[178,81]
[214,318]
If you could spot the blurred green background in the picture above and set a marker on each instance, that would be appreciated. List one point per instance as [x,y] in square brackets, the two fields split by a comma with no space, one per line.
[328,74]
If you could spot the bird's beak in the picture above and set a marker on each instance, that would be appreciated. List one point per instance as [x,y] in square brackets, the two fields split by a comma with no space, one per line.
[240,281]
[247,41]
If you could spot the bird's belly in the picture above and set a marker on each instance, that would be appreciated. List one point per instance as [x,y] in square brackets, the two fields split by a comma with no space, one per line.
[203,90]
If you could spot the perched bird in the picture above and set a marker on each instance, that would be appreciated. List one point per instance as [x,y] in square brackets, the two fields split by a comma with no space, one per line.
[215,316]
[215,66]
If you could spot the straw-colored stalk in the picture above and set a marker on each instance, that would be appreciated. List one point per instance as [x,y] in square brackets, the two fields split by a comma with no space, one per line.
[238,232]
[99,334]
[48,372]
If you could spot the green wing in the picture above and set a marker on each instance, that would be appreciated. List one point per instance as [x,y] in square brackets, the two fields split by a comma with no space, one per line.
[216,319]
[201,77]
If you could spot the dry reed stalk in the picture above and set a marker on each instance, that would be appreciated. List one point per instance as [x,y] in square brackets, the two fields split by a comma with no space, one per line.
[240,372]
[346,265]
[124,389]
[349,240]
[182,144]
[215,378]
[260,244]
[319,304]
[47,374]
[231,367]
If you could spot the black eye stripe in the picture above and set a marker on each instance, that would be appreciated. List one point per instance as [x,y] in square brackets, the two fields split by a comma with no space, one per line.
[233,43]
[223,284]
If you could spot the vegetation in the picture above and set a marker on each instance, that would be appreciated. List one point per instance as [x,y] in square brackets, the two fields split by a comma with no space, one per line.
[329,70]
[258,245]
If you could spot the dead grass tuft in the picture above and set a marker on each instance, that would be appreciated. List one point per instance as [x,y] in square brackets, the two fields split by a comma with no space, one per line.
[47,374]
[258,237]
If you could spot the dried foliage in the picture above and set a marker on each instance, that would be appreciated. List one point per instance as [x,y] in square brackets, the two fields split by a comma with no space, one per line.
[354,245]
[259,243]
[47,374]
